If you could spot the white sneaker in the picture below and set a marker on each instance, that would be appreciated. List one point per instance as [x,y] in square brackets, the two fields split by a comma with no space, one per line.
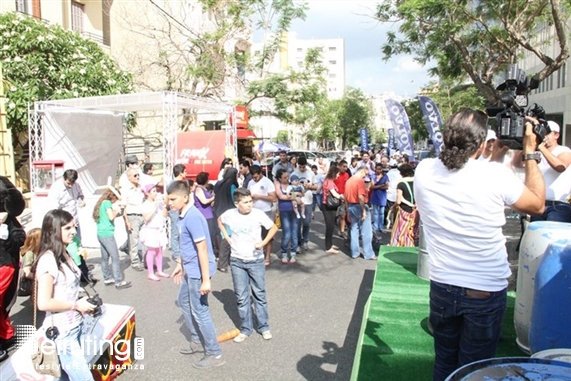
[267,335]
[241,337]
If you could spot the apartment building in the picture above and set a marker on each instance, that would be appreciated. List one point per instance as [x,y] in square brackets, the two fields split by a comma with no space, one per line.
[87,17]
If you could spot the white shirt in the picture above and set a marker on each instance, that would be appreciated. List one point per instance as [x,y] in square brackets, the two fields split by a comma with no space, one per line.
[462,212]
[144,179]
[134,198]
[557,184]
[309,176]
[394,178]
[262,187]
[245,232]
[62,197]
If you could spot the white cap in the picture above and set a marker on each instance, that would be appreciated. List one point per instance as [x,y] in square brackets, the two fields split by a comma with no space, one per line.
[491,135]
[553,126]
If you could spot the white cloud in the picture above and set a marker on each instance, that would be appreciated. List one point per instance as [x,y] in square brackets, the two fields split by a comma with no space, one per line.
[408,64]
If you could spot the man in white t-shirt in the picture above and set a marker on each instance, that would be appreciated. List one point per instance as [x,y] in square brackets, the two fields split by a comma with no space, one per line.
[263,193]
[309,181]
[241,227]
[554,166]
[461,203]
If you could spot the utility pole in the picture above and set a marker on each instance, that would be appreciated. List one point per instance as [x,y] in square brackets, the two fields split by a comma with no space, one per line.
[6,149]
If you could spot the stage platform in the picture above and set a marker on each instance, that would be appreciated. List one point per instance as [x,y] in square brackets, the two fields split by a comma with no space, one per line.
[394,342]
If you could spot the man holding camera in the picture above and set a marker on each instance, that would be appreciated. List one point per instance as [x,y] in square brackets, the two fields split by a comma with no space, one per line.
[554,166]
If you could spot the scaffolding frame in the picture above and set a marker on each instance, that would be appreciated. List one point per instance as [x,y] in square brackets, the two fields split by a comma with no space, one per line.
[167,102]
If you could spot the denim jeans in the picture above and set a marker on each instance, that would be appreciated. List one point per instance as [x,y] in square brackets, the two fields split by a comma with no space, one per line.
[72,357]
[466,327]
[317,201]
[362,228]
[174,239]
[290,226]
[303,236]
[194,308]
[378,217]
[558,213]
[109,251]
[248,275]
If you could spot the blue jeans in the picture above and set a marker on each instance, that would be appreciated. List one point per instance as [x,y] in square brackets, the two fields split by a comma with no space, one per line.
[175,243]
[109,251]
[557,213]
[317,201]
[194,308]
[362,228]
[290,226]
[72,357]
[466,327]
[303,236]
[248,275]
[378,217]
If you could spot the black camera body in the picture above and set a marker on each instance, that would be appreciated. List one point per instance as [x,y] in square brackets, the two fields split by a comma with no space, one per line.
[97,302]
[510,119]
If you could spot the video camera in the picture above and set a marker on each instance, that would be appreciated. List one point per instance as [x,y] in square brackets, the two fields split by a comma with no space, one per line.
[510,125]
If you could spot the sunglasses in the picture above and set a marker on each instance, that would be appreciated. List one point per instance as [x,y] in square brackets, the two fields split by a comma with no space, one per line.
[135,175]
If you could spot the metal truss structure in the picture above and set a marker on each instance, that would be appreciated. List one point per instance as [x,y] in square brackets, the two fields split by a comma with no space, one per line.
[168,103]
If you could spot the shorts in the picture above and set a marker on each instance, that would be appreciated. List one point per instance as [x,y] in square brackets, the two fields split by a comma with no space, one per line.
[272,215]
[342,210]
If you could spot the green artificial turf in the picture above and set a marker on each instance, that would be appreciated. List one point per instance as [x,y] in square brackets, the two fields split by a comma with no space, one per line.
[394,342]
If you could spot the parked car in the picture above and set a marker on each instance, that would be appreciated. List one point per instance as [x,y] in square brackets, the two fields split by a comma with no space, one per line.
[310,156]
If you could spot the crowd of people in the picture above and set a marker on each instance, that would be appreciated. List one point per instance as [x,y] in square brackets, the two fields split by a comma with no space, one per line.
[230,224]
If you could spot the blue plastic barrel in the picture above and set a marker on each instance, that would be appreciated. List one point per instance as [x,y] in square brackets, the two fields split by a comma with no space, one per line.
[551,310]
[513,369]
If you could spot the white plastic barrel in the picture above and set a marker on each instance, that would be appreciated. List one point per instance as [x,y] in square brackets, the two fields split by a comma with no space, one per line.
[422,266]
[538,235]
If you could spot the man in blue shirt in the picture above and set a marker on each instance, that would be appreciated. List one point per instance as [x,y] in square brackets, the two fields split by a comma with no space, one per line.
[193,271]
[379,197]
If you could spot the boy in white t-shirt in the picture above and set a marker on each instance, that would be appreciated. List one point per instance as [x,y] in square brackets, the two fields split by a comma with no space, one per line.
[242,229]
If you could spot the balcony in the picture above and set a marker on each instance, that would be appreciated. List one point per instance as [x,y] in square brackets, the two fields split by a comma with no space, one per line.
[100,39]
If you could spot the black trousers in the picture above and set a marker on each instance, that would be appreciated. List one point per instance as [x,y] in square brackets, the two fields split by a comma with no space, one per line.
[223,253]
[329,216]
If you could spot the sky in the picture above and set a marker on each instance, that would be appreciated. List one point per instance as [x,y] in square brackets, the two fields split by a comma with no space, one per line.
[364,65]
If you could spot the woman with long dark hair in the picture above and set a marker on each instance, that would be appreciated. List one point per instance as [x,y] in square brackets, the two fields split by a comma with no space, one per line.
[224,166]
[203,200]
[104,213]
[223,201]
[330,190]
[290,223]
[58,279]
[405,228]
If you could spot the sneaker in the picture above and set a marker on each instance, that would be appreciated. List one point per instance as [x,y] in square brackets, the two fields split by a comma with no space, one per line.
[123,284]
[267,335]
[189,348]
[138,267]
[284,258]
[305,246]
[292,260]
[108,282]
[209,361]
[241,337]
[298,216]
[373,258]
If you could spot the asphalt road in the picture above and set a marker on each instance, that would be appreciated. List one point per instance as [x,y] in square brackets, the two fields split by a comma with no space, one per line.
[315,306]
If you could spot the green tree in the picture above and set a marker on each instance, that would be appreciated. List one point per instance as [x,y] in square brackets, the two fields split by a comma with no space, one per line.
[478,38]
[353,113]
[44,62]
[282,137]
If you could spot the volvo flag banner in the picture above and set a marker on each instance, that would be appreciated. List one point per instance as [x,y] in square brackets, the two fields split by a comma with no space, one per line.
[433,122]
[364,133]
[391,144]
[401,126]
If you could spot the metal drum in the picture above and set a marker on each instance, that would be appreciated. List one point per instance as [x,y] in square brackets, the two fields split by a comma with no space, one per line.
[535,240]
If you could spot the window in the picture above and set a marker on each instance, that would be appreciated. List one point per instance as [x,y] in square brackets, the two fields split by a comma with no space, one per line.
[36,9]
[563,74]
[299,49]
[320,49]
[332,75]
[300,63]
[332,62]
[22,6]
[76,16]
[332,48]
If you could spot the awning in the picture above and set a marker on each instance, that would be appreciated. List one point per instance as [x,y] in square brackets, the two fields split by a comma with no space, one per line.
[245,134]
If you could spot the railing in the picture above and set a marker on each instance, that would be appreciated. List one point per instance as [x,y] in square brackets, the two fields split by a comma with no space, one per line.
[103,40]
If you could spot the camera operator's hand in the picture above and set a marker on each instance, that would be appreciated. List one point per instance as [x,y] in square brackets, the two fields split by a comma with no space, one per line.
[529,138]
[84,306]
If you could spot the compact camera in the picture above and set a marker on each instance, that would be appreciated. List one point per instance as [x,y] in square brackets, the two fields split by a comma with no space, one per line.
[97,302]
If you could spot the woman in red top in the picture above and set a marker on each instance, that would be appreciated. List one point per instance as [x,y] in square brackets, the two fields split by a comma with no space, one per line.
[330,189]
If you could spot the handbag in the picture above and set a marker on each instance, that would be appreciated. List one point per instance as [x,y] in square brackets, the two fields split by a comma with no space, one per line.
[25,286]
[278,221]
[332,201]
[45,361]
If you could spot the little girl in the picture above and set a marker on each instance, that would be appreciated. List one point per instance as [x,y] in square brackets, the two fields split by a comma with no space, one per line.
[30,251]
[153,232]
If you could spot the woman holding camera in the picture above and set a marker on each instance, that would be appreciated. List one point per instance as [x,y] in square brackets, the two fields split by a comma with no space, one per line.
[58,279]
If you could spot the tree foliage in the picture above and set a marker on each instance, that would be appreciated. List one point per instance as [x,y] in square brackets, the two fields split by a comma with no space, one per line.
[478,38]
[45,62]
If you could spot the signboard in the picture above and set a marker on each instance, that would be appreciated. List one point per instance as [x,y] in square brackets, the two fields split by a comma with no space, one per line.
[364,134]
[241,113]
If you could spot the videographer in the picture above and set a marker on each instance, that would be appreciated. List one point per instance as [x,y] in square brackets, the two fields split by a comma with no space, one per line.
[554,166]
[461,204]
